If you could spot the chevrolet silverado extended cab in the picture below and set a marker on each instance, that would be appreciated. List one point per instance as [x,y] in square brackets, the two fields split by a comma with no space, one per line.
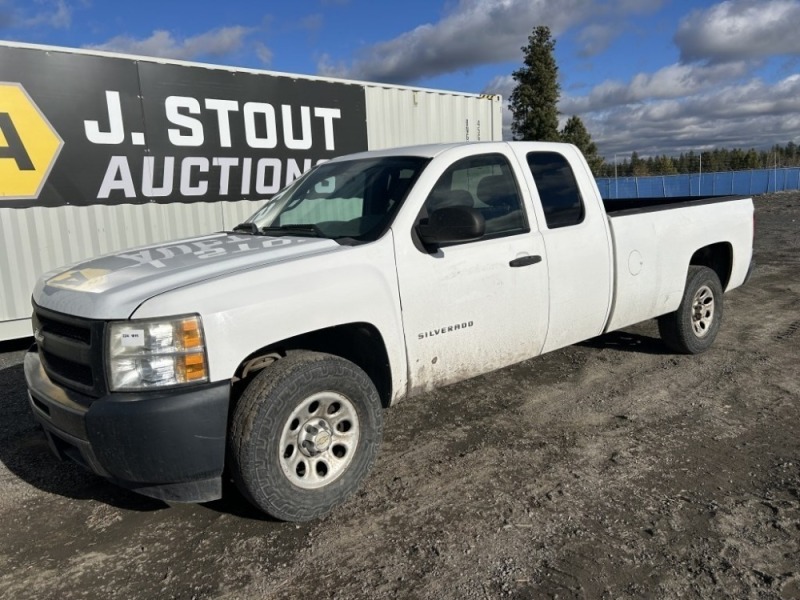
[268,353]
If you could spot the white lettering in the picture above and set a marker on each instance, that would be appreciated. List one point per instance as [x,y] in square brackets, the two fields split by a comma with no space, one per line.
[172,105]
[261,168]
[116,129]
[148,174]
[247,164]
[225,165]
[188,163]
[209,249]
[328,115]
[267,111]
[192,176]
[144,257]
[223,107]
[293,170]
[117,177]
[304,143]
[169,251]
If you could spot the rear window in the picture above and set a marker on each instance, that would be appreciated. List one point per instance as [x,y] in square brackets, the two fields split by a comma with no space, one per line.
[558,189]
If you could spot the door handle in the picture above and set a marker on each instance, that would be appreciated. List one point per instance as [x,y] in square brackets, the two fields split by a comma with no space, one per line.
[524,261]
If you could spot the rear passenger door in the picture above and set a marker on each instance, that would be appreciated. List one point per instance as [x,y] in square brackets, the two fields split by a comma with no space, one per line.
[577,242]
[469,308]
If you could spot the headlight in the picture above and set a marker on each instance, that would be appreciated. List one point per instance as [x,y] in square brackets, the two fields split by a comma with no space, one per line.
[147,354]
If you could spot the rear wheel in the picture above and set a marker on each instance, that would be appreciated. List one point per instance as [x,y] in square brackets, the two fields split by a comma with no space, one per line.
[693,327]
[304,435]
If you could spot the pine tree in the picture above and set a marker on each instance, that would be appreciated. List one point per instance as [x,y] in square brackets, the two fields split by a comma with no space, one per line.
[663,165]
[575,132]
[534,101]
[638,166]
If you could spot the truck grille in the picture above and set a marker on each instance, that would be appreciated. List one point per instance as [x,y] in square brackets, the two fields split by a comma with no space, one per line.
[71,350]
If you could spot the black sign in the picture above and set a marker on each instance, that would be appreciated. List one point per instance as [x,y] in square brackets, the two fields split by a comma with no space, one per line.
[82,129]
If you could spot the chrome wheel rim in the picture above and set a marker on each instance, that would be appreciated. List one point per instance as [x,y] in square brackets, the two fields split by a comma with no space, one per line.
[319,440]
[702,311]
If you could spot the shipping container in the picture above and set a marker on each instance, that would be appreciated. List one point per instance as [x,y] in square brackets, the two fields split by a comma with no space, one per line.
[102,151]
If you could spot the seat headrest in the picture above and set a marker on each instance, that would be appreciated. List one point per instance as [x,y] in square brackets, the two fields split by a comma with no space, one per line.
[497,190]
[445,198]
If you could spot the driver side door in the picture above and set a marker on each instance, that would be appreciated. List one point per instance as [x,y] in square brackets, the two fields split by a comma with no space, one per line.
[469,308]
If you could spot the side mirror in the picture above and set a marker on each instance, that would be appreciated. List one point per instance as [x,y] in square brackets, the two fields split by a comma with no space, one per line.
[451,224]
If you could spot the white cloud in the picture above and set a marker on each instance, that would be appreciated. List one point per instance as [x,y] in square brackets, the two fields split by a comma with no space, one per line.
[474,32]
[264,54]
[740,30]
[595,38]
[502,84]
[679,108]
[749,114]
[672,81]
[217,42]
[53,13]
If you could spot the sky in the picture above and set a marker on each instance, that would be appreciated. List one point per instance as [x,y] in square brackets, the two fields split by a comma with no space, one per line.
[652,76]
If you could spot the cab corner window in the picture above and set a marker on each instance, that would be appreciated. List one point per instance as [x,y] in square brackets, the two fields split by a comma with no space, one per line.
[558,189]
[487,184]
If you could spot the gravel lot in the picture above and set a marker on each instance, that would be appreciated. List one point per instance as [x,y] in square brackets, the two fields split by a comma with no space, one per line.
[610,469]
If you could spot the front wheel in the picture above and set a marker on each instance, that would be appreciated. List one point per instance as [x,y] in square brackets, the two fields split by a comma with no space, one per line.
[693,327]
[304,435]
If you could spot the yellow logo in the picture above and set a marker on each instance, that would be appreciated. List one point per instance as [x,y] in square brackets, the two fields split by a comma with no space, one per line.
[28,144]
[83,280]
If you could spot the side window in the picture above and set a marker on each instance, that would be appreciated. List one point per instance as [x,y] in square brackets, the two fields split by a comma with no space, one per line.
[487,184]
[558,189]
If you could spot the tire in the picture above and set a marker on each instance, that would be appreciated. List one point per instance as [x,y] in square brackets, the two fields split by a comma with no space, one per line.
[304,435]
[693,327]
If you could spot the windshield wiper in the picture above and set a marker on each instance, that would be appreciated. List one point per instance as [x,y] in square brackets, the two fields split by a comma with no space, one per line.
[247,228]
[309,230]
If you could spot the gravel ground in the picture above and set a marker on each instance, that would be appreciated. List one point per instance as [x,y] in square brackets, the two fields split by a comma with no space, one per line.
[610,469]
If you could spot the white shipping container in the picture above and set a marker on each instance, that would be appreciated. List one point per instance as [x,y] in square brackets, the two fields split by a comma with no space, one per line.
[66,229]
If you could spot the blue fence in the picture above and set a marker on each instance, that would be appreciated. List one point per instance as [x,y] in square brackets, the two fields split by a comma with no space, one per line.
[738,183]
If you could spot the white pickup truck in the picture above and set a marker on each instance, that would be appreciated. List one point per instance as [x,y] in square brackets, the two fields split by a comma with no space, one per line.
[268,353]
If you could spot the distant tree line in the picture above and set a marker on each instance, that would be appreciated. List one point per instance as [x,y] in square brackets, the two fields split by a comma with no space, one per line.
[719,159]
[534,108]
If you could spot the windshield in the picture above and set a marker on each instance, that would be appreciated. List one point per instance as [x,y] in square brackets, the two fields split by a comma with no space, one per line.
[350,199]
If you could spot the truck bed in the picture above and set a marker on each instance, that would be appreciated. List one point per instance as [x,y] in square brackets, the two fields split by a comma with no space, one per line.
[632,206]
[653,248]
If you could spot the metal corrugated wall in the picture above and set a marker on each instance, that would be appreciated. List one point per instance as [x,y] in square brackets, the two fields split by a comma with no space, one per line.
[404,117]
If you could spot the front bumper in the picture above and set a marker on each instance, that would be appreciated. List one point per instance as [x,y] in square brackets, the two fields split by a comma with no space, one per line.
[166,444]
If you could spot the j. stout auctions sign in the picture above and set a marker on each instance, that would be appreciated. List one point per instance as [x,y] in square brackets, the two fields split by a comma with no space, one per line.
[82,129]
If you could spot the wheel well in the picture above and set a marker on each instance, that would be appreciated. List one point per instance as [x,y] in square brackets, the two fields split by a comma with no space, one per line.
[718,258]
[360,343]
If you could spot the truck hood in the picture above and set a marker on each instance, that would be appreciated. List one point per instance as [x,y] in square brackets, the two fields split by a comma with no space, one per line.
[113,286]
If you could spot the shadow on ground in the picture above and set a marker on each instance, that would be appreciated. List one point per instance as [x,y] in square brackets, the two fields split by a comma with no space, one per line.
[627,342]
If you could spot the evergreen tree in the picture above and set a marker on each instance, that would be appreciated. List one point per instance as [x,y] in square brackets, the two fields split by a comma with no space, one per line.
[534,101]
[575,132]
[716,160]
[665,166]
[638,166]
